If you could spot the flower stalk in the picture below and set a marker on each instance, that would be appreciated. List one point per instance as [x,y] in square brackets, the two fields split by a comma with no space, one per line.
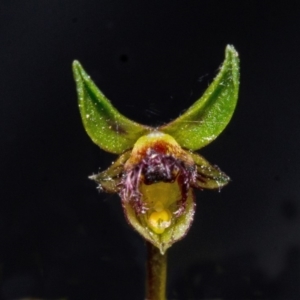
[156,274]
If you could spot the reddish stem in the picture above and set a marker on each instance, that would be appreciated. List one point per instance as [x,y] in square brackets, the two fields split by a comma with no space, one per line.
[156,274]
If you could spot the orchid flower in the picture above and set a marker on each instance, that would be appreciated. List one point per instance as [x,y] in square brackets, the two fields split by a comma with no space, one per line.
[158,168]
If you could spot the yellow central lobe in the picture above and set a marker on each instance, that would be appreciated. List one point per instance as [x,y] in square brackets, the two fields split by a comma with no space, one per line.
[158,221]
[161,199]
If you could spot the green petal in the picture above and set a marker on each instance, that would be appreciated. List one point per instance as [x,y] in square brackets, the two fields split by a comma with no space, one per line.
[109,179]
[110,130]
[209,115]
[208,176]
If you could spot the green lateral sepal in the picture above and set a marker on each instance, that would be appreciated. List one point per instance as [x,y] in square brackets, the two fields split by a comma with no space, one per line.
[107,128]
[209,115]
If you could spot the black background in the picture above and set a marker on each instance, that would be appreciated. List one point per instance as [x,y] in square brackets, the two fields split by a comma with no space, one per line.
[60,237]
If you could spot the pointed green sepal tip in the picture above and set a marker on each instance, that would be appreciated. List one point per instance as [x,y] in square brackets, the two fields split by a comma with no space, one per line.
[208,176]
[107,128]
[209,115]
[110,179]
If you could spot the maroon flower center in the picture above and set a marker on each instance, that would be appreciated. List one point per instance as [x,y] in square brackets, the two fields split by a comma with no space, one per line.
[156,167]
